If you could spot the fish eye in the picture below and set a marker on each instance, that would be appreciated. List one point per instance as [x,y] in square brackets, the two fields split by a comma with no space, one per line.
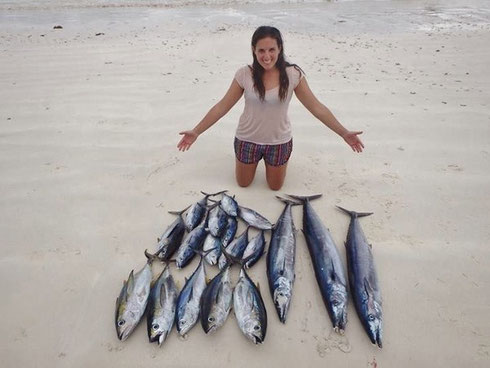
[121,322]
[256,328]
[211,319]
[335,303]
[155,326]
[281,294]
[370,317]
[182,322]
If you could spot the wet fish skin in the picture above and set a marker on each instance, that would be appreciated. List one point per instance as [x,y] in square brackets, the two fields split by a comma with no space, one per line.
[192,241]
[197,211]
[170,240]
[216,301]
[132,301]
[329,271]
[281,260]
[235,249]
[249,309]
[363,279]
[162,304]
[189,300]
[217,221]
[253,218]
[212,248]
[229,205]
[230,231]
[255,250]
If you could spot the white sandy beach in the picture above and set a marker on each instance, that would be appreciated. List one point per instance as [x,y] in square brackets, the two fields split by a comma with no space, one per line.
[89,168]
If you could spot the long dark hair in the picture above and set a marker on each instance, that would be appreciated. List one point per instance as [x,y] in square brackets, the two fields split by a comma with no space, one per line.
[281,64]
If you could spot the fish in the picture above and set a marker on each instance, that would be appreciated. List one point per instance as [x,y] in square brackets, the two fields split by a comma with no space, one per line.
[329,271]
[253,218]
[192,241]
[189,300]
[216,301]
[132,300]
[196,212]
[170,240]
[363,278]
[249,309]
[162,304]
[281,259]
[230,231]
[212,246]
[254,249]
[229,205]
[217,220]
[235,249]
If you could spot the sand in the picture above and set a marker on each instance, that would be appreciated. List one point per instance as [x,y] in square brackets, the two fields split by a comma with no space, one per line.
[89,117]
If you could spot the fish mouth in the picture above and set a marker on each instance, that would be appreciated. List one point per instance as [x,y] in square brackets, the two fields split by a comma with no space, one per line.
[159,338]
[258,340]
[210,329]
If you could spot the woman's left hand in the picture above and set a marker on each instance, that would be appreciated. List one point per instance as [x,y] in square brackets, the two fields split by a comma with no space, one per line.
[353,141]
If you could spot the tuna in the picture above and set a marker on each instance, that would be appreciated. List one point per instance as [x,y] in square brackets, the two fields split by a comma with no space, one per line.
[161,307]
[229,205]
[193,241]
[234,249]
[363,279]
[216,301]
[253,218]
[254,250]
[327,264]
[170,240]
[281,260]
[189,300]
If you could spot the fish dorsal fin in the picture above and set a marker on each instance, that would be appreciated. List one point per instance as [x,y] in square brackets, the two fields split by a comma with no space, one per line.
[130,284]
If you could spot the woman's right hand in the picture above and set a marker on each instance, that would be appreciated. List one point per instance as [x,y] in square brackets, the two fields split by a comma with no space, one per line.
[189,137]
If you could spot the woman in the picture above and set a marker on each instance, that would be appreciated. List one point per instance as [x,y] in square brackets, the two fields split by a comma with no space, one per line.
[264,130]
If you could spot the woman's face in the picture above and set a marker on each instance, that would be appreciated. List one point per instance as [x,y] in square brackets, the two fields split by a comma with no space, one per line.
[267,51]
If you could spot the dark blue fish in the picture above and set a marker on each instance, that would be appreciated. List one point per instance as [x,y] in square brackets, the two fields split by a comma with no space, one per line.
[281,259]
[363,279]
[170,240]
[234,249]
[196,212]
[192,241]
[217,221]
[230,231]
[255,249]
[327,264]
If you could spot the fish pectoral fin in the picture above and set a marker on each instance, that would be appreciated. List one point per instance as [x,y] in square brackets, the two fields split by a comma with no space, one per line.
[370,245]
[218,293]
[130,284]
[368,288]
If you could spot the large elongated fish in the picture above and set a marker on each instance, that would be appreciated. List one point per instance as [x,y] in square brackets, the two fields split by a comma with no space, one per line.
[172,237]
[327,264]
[189,300]
[249,309]
[281,259]
[216,301]
[132,300]
[161,307]
[363,279]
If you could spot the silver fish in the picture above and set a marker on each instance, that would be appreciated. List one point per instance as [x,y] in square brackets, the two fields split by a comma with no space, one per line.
[196,212]
[161,307]
[249,309]
[229,205]
[188,302]
[281,259]
[192,242]
[217,221]
[235,249]
[132,301]
[212,248]
[216,301]
[254,250]
[363,279]
[253,218]
[172,237]
[230,231]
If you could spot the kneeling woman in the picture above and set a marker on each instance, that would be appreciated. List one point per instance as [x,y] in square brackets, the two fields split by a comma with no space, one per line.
[264,130]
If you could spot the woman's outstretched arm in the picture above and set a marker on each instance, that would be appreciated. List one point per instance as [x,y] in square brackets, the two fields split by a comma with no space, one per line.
[219,110]
[322,113]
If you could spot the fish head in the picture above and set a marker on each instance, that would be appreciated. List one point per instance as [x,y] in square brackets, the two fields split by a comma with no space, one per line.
[374,323]
[255,331]
[185,323]
[157,333]
[210,324]
[126,321]
[282,297]
[338,302]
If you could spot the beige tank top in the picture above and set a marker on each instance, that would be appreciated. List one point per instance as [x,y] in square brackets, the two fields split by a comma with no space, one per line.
[265,122]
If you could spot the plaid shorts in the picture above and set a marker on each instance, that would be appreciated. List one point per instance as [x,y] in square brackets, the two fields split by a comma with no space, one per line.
[273,154]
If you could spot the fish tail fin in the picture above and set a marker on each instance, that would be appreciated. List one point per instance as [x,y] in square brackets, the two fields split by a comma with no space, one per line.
[355,214]
[152,257]
[288,201]
[179,213]
[304,198]
[214,194]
